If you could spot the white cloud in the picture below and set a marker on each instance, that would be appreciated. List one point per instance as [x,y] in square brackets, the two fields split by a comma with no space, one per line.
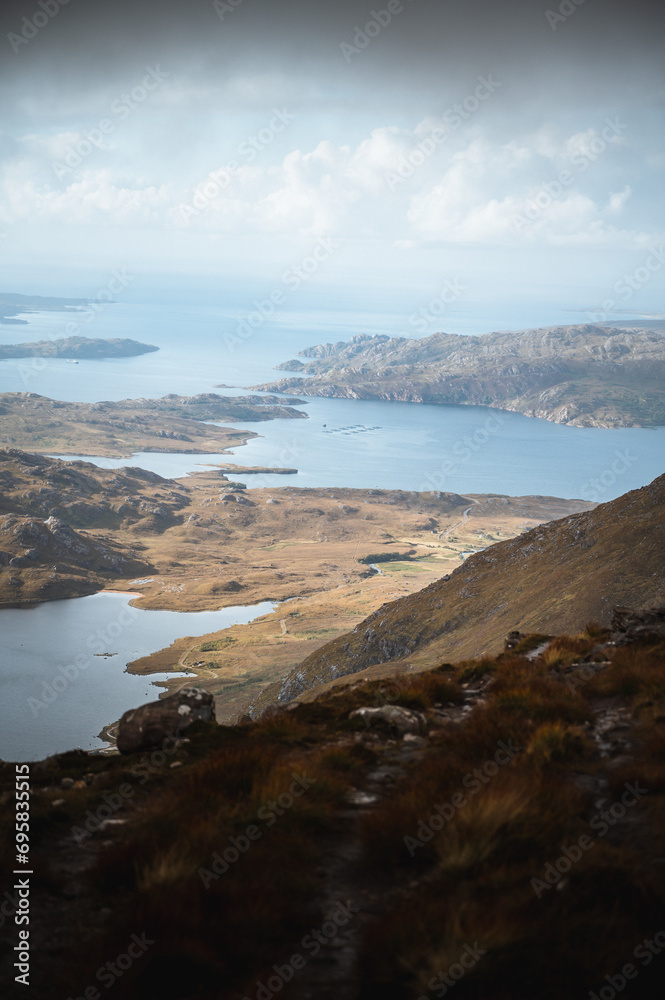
[463,188]
[619,198]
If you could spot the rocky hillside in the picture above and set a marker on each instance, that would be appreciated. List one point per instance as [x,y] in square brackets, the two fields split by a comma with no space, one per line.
[555,577]
[587,376]
[67,529]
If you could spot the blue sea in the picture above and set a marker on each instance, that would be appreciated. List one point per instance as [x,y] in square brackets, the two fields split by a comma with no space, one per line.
[203,343]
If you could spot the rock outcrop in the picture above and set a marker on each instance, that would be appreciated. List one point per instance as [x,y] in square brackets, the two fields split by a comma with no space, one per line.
[165,719]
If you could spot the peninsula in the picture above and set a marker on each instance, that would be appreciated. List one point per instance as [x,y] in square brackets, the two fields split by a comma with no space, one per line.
[586,376]
[120,429]
[12,304]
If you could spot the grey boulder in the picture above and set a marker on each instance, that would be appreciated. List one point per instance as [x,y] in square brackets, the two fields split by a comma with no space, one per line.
[165,719]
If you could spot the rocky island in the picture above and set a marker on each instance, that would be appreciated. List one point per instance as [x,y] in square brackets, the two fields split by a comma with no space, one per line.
[585,376]
[77,347]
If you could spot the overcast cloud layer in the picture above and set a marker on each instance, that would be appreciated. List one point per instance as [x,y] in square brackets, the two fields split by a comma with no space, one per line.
[409,125]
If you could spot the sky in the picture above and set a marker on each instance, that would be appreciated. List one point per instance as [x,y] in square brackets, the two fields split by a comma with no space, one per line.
[514,147]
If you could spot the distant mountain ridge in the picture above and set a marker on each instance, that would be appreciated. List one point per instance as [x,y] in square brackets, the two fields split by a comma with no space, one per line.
[13,303]
[586,375]
[557,576]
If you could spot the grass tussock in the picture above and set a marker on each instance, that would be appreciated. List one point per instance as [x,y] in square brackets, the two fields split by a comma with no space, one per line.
[479,839]
[565,649]
[636,674]
[557,743]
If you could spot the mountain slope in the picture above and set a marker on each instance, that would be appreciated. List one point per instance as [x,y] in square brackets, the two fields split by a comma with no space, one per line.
[553,578]
[586,375]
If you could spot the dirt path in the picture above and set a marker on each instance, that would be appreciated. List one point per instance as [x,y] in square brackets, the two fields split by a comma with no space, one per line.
[346,878]
[332,974]
[465,516]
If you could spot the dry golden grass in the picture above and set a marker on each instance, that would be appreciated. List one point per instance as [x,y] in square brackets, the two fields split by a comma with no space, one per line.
[556,742]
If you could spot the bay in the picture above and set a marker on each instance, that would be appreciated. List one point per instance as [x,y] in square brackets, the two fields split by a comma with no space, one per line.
[58,689]
[363,443]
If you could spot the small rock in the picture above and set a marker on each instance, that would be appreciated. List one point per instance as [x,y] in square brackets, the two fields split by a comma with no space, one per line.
[400,720]
[67,783]
[271,711]
[414,741]
[513,640]
[111,822]
[355,797]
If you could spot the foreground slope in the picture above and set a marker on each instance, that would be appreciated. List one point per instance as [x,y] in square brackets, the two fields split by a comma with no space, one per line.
[513,849]
[553,578]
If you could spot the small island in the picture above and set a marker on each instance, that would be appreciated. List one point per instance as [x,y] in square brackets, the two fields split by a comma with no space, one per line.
[77,347]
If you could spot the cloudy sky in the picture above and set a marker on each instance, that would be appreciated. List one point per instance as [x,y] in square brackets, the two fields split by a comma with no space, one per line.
[430,137]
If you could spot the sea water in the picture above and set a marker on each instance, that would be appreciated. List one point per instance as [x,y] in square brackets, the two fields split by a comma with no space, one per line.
[64,676]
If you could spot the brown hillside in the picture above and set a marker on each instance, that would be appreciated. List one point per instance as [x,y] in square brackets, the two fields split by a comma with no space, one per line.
[551,579]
